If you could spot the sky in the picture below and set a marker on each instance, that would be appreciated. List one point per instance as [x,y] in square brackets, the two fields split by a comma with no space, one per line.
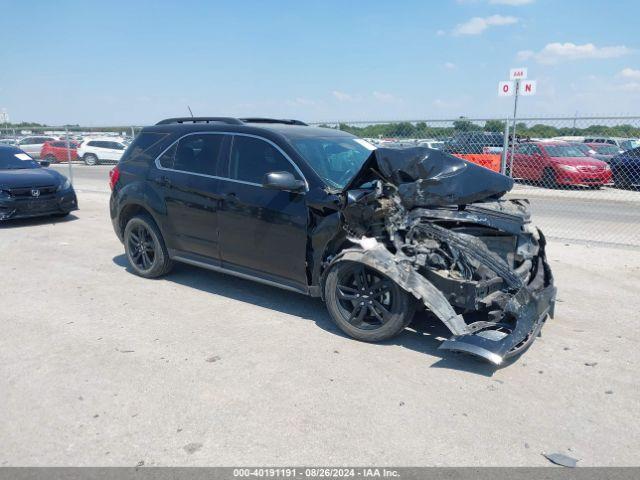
[136,62]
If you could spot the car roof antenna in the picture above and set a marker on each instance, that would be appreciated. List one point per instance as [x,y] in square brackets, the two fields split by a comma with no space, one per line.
[190,111]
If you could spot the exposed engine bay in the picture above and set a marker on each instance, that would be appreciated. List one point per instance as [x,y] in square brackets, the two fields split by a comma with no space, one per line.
[436,225]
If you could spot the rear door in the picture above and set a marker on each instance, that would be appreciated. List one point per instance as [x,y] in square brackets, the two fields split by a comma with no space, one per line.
[186,177]
[263,232]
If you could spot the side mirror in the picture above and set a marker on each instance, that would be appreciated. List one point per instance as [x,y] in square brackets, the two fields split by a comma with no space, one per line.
[44,163]
[282,181]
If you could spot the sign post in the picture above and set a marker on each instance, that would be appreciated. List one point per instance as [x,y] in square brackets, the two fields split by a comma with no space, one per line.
[516,86]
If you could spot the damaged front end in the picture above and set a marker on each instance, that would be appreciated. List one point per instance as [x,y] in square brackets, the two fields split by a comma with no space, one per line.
[436,225]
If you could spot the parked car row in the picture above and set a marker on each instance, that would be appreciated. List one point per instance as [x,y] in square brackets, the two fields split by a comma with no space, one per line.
[91,150]
[556,163]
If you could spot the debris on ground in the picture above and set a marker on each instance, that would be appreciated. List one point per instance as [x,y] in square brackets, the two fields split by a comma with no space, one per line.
[561,459]
[191,448]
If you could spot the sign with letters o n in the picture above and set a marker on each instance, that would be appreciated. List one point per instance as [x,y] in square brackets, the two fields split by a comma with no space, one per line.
[506,89]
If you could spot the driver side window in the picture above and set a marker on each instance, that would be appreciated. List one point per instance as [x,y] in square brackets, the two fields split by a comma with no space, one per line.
[252,158]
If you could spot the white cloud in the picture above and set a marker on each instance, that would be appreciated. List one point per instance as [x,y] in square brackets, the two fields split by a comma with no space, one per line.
[477,25]
[560,52]
[301,102]
[630,73]
[384,97]
[631,87]
[513,3]
[441,33]
[342,96]
[449,65]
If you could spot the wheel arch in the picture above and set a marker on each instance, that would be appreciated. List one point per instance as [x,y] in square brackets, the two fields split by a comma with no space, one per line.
[137,199]
[382,260]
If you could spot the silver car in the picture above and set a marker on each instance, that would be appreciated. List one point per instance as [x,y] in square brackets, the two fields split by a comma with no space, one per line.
[32,145]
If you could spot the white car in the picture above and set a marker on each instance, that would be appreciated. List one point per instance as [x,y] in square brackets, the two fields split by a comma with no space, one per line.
[32,145]
[434,144]
[96,150]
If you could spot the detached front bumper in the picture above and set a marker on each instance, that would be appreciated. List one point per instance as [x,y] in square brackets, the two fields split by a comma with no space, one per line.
[525,314]
[59,202]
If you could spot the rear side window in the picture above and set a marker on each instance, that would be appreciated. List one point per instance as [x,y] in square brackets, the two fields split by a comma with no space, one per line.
[195,154]
[252,158]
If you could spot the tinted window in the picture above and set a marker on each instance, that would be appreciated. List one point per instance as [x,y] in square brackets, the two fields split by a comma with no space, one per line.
[93,144]
[145,146]
[252,158]
[198,154]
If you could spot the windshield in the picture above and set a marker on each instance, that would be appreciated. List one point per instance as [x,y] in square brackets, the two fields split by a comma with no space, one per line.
[335,159]
[564,151]
[584,148]
[14,159]
[606,149]
[629,144]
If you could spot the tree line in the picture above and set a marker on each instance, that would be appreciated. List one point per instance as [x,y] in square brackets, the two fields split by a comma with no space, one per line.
[540,130]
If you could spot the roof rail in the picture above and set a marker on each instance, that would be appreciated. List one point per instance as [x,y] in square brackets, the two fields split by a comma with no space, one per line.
[227,120]
[273,120]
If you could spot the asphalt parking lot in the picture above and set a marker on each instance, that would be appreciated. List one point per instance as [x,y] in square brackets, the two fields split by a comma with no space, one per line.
[100,367]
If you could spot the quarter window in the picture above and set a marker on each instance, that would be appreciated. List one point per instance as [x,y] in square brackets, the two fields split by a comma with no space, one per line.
[252,158]
[167,158]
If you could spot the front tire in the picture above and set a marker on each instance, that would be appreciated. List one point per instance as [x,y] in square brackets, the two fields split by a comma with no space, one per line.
[145,248]
[621,180]
[51,159]
[365,304]
[90,159]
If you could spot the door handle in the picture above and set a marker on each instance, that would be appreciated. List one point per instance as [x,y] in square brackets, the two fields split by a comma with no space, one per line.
[163,181]
[230,198]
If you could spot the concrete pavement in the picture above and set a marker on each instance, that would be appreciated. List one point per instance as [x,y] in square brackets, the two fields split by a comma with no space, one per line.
[100,367]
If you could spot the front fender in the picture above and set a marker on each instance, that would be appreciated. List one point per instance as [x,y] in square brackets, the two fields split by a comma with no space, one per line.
[379,258]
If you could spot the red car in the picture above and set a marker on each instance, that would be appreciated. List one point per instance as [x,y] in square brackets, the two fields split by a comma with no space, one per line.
[557,163]
[56,151]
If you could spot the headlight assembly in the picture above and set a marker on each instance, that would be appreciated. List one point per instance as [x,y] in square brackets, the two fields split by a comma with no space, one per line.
[66,185]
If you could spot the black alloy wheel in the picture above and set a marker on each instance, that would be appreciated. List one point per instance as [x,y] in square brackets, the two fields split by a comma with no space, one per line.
[145,248]
[365,303]
[142,248]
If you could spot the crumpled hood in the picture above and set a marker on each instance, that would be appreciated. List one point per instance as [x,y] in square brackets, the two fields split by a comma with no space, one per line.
[427,177]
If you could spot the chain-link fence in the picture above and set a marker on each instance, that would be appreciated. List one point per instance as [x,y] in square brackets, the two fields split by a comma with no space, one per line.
[578,173]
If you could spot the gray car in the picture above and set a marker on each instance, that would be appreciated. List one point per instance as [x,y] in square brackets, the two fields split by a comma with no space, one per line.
[32,145]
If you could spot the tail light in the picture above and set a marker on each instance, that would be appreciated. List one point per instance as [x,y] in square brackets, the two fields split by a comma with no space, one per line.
[114,176]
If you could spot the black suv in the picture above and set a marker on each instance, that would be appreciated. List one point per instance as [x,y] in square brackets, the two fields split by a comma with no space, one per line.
[474,142]
[376,233]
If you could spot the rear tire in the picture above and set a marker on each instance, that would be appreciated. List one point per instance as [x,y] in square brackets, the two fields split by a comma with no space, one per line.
[365,304]
[621,180]
[90,159]
[145,248]
[549,178]
[51,159]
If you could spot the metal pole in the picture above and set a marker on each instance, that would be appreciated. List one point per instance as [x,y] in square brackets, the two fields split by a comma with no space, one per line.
[513,132]
[505,147]
[133,133]
[66,131]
